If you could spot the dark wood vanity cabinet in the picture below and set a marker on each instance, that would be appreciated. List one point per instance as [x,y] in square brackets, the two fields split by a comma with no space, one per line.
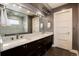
[35,48]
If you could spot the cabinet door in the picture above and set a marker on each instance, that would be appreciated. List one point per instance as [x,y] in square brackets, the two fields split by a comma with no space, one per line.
[7,53]
[17,51]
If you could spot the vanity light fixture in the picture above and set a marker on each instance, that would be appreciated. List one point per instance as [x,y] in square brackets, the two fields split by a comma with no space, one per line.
[16,13]
[6,3]
[39,13]
[41,25]
[19,7]
[14,5]
[48,25]
[28,11]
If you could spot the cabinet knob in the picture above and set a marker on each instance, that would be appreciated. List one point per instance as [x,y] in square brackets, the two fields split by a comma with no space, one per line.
[25,46]
[39,47]
[39,41]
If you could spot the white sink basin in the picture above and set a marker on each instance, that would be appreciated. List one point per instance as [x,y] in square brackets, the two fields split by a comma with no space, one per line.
[14,43]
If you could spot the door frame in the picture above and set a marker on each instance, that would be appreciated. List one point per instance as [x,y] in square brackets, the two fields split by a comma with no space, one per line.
[63,11]
[72,50]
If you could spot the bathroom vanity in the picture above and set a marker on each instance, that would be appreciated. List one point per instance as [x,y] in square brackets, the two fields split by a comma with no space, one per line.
[34,45]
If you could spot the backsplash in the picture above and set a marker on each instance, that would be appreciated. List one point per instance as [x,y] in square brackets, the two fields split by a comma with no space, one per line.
[11,29]
[13,37]
[8,38]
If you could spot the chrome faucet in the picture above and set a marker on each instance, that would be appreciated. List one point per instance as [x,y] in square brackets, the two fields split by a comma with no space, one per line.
[17,36]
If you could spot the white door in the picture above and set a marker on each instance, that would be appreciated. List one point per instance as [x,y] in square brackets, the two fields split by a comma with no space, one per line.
[63,29]
[35,25]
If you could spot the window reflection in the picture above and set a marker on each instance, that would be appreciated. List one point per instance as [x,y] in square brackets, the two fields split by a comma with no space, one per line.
[14,22]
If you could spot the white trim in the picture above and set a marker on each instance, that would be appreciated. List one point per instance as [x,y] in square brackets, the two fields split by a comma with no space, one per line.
[74,51]
[53,45]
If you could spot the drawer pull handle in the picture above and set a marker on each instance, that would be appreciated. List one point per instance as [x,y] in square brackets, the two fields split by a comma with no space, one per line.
[25,46]
[39,47]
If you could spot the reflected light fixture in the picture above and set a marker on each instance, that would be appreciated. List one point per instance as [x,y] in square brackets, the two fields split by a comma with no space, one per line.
[20,7]
[6,3]
[39,12]
[28,11]
[14,5]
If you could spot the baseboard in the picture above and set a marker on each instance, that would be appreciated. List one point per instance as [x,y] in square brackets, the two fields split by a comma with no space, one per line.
[53,45]
[74,51]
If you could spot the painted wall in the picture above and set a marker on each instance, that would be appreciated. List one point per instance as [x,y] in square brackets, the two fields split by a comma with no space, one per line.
[78,28]
[30,24]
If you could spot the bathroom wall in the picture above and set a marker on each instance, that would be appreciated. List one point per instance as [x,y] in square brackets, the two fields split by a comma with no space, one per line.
[30,24]
[78,28]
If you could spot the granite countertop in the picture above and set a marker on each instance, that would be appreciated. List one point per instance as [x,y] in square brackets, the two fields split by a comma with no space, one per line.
[28,38]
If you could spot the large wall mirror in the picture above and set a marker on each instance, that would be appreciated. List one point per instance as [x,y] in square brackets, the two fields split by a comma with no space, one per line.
[13,22]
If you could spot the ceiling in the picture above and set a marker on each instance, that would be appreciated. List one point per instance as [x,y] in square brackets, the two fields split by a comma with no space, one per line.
[35,8]
[46,8]
[53,5]
[47,5]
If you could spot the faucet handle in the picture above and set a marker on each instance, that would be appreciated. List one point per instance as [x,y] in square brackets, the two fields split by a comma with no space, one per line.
[17,36]
[21,36]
